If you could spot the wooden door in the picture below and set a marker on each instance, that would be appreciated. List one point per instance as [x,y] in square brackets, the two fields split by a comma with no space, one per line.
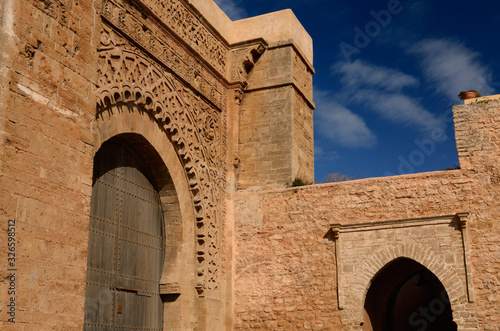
[126,244]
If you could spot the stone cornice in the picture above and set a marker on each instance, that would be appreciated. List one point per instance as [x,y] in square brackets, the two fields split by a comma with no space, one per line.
[281,83]
[243,57]
[399,223]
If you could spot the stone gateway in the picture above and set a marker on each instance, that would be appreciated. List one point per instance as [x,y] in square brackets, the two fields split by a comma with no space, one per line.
[145,148]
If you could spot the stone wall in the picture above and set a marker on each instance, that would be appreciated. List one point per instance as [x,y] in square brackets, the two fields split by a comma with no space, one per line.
[265,141]
[303,140]
[47,107]
[276,122]
[164,76]
[285,258]
[75,74]
[477,134]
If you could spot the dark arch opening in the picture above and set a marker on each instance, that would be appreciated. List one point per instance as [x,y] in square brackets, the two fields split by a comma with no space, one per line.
[406,296]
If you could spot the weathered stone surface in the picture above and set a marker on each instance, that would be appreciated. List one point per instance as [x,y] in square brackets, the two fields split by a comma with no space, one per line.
[221,112]
[77,73]
[285,257]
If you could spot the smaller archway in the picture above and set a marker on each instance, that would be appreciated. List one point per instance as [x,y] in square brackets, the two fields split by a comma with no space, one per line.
[405,295]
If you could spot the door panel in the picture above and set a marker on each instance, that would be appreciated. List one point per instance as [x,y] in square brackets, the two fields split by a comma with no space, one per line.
[126,248]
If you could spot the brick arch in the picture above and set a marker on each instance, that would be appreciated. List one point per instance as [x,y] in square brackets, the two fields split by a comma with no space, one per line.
[425,256]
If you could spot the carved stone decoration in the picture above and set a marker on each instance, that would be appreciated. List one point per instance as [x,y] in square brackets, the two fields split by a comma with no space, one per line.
[238,94]
[128,78]
[134,22]
[236,161]
[208,127]
[178,17]
[244,57]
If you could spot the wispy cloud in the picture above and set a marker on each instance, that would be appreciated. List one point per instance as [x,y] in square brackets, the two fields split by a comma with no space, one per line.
[358,74]
[399,108]
[380,89]
[232,8]
[340,125]
[451,67]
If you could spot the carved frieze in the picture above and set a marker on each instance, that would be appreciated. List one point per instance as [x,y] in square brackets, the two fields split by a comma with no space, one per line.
[176,15]
[134,22]
[128,77]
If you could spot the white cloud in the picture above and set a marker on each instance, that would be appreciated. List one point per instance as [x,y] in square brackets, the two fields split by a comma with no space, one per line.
[324,155]
[359,74]
[232,8]
[451,67]
[380,89]
[401,109]
[340,125]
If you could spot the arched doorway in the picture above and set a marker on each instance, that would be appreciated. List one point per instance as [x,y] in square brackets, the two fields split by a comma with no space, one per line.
[406,296]
[126,243]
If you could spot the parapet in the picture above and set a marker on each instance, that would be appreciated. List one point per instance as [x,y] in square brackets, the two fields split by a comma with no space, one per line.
[476,133]
[273,27]
[483,99]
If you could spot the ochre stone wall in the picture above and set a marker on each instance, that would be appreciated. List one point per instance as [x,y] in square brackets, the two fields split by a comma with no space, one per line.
[265,142]
[226,109]
[477,134]
[47,107]
[276,120]
[303,140]
[165,76]
[285,260]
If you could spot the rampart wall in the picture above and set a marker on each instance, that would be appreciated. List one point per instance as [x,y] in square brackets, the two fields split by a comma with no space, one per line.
[285,253]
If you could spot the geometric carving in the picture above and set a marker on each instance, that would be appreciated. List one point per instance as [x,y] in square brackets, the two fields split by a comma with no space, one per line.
[54,8]
[129,80]
[137,24]
[238,94]
[180,19]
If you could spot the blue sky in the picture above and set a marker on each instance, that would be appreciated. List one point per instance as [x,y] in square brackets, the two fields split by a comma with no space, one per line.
[387,76]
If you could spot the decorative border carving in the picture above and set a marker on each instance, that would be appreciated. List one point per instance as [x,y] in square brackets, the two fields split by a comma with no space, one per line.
[178,16]
[134,22]
[127,77]
[56,9]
